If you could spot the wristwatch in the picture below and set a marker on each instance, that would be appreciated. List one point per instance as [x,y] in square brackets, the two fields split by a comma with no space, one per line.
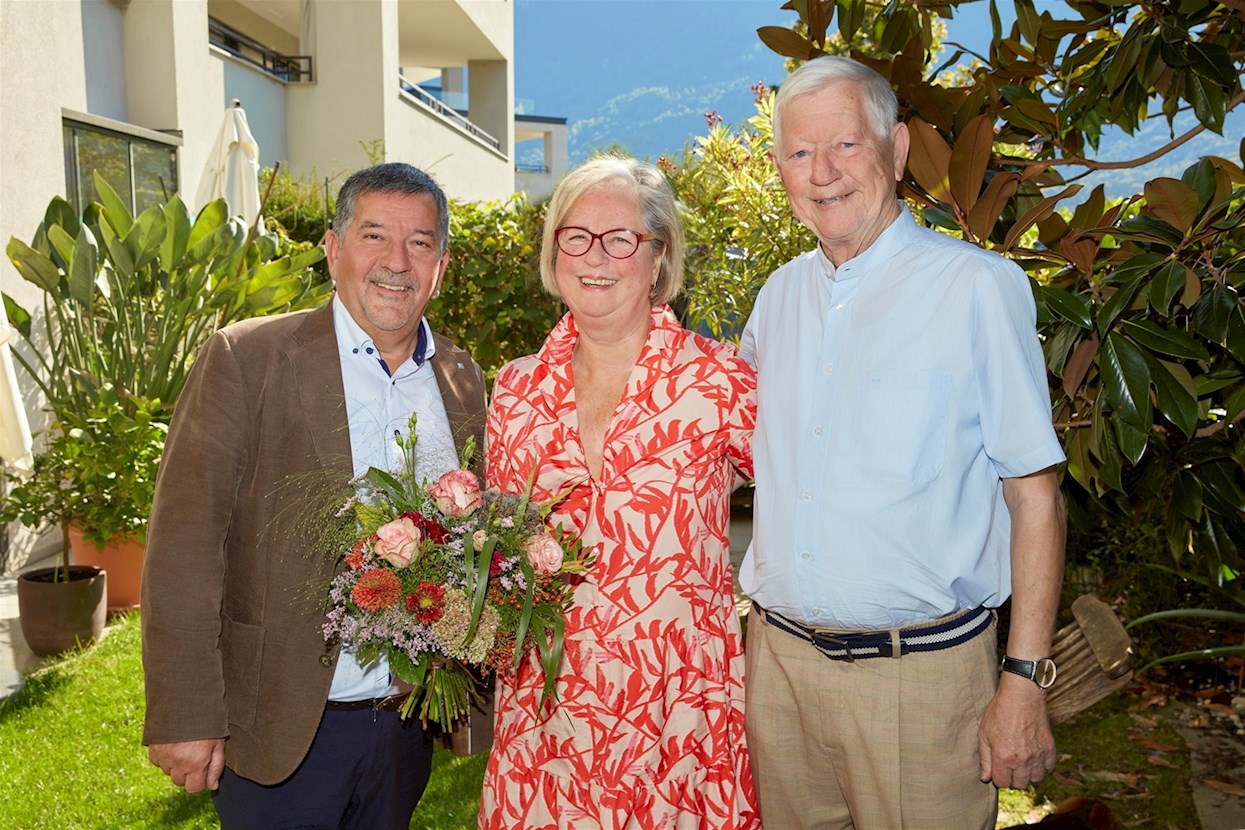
[1042,672]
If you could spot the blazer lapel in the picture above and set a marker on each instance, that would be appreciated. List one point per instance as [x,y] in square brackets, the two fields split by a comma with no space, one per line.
[317,374]
[462,389]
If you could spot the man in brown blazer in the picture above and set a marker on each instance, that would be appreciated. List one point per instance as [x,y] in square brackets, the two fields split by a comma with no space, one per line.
[244,696]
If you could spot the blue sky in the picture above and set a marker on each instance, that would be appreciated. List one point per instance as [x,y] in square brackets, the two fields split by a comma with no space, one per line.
[642,74]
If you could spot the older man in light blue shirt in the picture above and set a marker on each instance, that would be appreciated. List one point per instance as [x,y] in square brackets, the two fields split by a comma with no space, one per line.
[905,488]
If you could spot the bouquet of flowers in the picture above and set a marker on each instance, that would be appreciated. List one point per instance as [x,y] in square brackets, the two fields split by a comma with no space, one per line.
[449,581]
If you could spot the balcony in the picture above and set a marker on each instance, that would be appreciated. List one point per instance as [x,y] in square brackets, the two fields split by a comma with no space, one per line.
[288,68]
[447,113]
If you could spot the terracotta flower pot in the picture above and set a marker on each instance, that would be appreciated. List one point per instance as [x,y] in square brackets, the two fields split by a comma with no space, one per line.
[121,558]
[59,616]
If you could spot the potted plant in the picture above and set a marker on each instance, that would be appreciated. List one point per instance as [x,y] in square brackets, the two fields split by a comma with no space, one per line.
[64,606]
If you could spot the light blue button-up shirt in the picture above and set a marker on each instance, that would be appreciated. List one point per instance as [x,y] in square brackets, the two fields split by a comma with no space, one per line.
[378,407]
[894,394]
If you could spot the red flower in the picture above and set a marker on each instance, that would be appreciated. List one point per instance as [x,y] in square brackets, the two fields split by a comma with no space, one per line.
[355,558]
[427,602]
[432,529]
[494,567]
[376,590]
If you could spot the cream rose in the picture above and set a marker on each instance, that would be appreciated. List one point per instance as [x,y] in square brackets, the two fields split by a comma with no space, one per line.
[457,493]
[397,542]
[544,552]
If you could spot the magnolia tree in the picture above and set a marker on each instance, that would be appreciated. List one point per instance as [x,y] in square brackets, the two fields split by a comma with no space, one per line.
[1139,299]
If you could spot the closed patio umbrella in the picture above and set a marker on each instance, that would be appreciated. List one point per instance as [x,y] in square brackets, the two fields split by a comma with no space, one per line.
[232,169]
[15,443]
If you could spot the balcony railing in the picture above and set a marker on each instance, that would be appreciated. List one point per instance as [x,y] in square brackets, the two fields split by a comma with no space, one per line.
[447,113]
[285,67]
[524,167]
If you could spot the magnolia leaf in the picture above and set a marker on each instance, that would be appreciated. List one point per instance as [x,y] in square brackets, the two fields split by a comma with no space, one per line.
[929,159]
[1078,365]
[1117,303]
[1126,379]
[1174,400]
[1212,312]
[1037,213]
[1169,280]
[1173,201]
[1207,99]
[787,43]
[1132,441]
[1187,496]
[1172,342]
[990,206]
[1220,487]
[969,159]
[851,16]
[1069,306]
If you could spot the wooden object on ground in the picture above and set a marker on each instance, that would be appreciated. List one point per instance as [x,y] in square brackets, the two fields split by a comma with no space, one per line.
[1093,656]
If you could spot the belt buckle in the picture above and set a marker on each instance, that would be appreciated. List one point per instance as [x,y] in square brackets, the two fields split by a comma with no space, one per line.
[838,642]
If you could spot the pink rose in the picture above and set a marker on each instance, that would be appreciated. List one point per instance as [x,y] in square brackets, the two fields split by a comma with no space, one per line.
[398,542]
[544,552]
[457,493]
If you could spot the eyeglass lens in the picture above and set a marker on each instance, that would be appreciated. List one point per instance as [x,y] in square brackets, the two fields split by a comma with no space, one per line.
[619,243]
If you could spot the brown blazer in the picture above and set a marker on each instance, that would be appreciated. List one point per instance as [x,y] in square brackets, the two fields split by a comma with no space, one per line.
[232,603]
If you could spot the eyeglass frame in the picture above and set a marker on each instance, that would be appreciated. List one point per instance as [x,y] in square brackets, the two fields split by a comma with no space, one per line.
[600,237]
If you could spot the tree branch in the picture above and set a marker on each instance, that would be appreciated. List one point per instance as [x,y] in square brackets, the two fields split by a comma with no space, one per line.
[1091,164]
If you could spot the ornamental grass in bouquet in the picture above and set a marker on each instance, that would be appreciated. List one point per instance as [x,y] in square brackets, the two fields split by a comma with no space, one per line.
[449,582]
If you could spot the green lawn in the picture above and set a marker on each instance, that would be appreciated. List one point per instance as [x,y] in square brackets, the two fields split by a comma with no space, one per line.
[71,756]
[71,759]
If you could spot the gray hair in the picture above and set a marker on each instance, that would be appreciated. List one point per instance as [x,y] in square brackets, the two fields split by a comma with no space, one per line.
[881,106]
[658,212]
[393,177]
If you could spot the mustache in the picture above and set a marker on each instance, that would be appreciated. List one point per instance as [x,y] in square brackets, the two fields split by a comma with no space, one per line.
[387,277]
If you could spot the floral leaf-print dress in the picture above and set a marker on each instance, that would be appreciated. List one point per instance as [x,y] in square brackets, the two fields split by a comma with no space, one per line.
[648,728]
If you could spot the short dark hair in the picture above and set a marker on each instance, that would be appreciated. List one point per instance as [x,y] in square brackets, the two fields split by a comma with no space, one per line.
[392,177]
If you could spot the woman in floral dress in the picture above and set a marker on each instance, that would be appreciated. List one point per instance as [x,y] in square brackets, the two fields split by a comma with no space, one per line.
[647,428]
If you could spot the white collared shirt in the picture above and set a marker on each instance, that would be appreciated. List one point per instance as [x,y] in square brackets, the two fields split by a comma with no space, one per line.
[378,406]
[894,393]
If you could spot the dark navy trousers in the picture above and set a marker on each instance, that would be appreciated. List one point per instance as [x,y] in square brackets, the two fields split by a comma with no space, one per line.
[365,771]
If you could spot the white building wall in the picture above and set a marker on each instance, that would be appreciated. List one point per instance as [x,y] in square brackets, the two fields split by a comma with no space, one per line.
[356,58]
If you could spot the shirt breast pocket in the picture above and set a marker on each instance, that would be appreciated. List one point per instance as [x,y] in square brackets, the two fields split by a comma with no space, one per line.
[902,428]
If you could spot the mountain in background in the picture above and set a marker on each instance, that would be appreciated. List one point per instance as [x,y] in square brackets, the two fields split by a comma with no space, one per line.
[642,74]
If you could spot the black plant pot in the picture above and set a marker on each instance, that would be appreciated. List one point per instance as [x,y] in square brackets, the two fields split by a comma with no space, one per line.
[59,616]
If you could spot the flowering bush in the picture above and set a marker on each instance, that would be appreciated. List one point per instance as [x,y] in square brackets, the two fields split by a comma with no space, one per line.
[448,581]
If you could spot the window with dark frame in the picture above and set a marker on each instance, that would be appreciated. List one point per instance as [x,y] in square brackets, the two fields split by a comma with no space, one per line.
[142,171]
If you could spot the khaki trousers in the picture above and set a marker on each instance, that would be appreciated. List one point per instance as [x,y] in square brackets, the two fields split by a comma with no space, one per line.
[875,744]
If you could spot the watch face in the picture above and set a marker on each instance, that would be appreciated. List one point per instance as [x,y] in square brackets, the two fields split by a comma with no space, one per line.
[1044,673]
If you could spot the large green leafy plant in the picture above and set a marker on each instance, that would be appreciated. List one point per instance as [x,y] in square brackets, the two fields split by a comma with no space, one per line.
[129,300]
[1140,304]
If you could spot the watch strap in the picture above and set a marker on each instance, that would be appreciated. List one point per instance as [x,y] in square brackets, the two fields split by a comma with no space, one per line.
[1041,672]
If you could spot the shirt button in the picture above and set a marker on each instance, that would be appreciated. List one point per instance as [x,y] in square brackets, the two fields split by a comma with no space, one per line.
[804,556]
[355,350]
[325,660]
[839,307]
[816,430]
[806,495]
[829,368]
[816,612]
[370,350]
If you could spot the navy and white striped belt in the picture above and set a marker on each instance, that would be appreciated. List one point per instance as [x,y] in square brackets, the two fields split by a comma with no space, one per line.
[858,645]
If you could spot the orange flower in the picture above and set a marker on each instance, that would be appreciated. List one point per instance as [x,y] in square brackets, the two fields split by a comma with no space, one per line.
[376,590]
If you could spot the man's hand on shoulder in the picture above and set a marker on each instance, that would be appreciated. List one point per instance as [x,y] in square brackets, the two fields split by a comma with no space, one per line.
[191,764]
[1016,744]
